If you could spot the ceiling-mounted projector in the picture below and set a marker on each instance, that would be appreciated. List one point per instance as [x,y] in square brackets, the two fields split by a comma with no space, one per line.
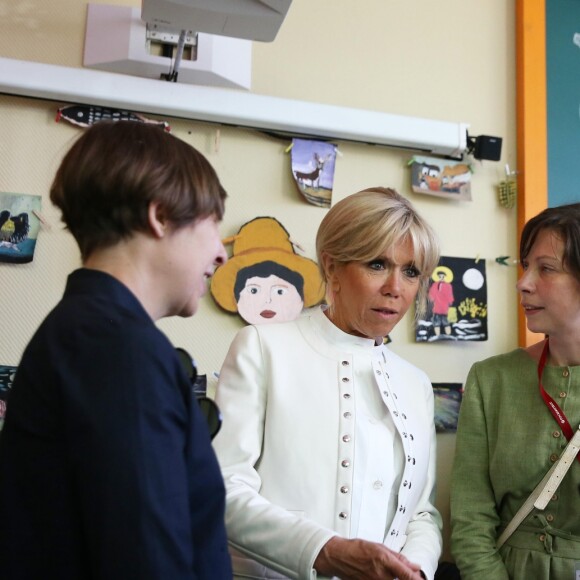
[250,19]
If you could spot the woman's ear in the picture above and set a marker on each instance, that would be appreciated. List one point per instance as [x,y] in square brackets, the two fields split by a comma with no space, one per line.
[327,264]
[157,220]
[330,269]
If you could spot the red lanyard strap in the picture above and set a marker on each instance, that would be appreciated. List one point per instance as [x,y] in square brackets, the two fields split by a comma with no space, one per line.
[554,408]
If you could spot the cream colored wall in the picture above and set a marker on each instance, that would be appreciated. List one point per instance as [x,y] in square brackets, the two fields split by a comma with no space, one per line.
[451,60]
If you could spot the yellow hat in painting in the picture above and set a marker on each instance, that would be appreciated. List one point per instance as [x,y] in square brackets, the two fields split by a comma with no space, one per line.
[447,273]
[264,239]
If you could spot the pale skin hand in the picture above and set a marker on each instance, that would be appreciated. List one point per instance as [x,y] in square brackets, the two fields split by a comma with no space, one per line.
[356,559]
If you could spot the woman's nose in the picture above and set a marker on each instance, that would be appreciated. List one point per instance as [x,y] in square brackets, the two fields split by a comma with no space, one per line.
[392,284]
[525,282]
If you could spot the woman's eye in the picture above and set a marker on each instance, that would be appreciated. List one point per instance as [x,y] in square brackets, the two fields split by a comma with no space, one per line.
[377,265]
[412,272]
[280,291]
[252,289]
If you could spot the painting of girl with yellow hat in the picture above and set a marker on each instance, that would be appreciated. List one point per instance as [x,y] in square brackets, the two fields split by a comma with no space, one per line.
[265,280]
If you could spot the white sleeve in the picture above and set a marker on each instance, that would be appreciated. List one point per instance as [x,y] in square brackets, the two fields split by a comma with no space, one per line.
[265,532]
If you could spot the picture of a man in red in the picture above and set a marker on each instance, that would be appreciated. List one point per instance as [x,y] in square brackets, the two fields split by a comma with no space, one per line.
[441,297]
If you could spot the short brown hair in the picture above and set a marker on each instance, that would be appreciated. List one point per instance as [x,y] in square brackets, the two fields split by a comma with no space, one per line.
[112,173]
[564,221]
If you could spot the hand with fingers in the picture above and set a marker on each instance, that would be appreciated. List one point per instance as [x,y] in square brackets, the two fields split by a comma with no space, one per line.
[355,559]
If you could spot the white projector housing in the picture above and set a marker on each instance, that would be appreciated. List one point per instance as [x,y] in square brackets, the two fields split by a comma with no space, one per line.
[116,41]
[250,19]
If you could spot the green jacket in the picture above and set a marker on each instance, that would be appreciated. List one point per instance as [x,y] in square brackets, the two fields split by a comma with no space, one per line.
[507,440]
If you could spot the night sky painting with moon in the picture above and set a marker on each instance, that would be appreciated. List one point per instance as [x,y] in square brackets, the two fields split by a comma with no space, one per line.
[457,302]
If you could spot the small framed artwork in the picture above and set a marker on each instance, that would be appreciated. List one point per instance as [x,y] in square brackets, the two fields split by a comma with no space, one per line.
[447,403]
[19,226]
[456,303]
[313,170]
[441,178]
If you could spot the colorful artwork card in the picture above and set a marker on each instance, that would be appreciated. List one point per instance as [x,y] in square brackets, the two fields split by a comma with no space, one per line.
[19,226]
[447,402]
[456,302]
[441,178]
[313,165]
[265,280]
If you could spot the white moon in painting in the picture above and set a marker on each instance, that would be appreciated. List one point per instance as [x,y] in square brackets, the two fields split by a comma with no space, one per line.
[473,279]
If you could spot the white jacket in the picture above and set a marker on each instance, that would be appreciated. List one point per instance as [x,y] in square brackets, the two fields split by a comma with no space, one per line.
[288,397]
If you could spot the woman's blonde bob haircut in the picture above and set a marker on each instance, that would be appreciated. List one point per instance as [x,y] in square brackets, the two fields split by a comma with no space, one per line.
[360,227]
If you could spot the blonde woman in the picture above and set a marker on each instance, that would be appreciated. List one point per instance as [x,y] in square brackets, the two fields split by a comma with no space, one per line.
[328,443]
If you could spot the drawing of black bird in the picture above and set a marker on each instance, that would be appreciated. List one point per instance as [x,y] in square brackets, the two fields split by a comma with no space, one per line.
[13,229]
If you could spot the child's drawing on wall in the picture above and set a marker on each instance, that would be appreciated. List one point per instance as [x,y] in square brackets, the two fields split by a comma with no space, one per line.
[447,399]
[441,177]
[457,302]
[313,170]
[265,280]
[19,226]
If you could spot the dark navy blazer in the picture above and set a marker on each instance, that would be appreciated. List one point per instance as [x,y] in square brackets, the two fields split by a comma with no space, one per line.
[106,465]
